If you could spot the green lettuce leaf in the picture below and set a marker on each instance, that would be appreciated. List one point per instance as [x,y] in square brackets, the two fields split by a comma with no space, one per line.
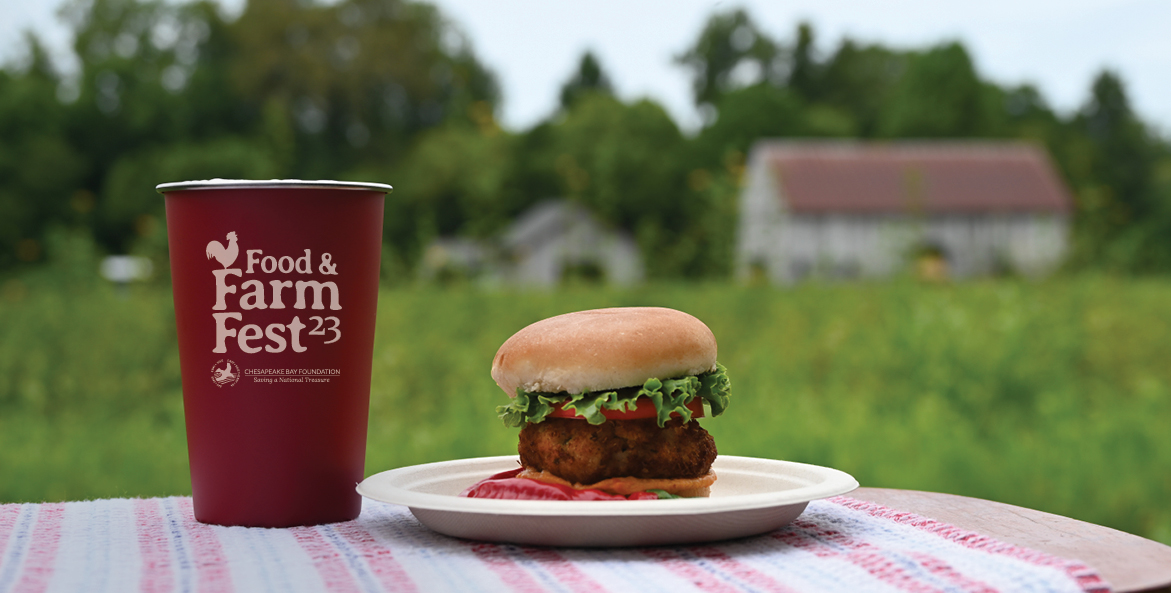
[668,395]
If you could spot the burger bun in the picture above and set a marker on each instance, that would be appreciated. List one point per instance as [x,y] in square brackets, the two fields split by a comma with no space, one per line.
[604,349]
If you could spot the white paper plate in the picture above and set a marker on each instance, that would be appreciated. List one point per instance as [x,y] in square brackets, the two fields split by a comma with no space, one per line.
[750,496]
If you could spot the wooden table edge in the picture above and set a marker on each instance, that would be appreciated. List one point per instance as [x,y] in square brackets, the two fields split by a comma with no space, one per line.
[1128,562]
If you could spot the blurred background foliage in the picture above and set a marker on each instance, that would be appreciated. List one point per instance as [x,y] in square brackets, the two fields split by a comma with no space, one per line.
[391,90]
[1052,395]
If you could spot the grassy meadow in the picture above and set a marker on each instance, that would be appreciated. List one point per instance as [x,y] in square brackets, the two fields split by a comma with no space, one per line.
[1053,395]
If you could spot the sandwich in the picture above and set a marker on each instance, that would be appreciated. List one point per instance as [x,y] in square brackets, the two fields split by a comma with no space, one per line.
[607,400]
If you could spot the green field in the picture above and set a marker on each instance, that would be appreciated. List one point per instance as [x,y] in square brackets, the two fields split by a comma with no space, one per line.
[1053,395]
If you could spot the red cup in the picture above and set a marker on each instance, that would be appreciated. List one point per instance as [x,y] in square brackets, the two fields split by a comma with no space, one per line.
[276,288]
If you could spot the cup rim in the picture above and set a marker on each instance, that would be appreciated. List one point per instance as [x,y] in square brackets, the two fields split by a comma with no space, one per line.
[205,184]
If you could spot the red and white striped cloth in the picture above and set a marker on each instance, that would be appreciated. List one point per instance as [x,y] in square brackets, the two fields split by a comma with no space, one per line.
[841,544]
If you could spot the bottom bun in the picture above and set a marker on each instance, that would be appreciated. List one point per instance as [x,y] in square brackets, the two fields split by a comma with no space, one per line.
[685,487]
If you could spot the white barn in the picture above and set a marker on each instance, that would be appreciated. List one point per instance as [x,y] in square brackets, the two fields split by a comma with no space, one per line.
[858,210]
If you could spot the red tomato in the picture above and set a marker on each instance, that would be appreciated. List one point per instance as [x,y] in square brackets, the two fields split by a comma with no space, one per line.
[644,409]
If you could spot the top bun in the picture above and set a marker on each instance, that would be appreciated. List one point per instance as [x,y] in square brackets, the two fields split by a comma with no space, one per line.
[604,349]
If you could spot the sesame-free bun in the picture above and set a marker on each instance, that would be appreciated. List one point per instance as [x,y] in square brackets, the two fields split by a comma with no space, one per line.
[604,349]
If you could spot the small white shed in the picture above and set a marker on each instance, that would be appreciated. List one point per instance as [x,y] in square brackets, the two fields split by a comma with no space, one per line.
[854,209]
[559,239]
[553,242]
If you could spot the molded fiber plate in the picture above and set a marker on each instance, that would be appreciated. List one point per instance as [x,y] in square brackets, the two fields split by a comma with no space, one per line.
[751,496]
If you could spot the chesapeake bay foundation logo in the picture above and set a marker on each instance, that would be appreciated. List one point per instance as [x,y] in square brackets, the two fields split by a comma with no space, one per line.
[225,372]
[273,281]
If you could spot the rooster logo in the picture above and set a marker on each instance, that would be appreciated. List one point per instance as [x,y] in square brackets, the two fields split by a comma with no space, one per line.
[224,255]
[228,375]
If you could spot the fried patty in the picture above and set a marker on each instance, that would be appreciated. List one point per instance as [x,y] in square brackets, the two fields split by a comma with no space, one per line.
[585,453]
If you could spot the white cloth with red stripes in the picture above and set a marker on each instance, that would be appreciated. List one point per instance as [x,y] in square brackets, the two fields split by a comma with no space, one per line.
[841,544]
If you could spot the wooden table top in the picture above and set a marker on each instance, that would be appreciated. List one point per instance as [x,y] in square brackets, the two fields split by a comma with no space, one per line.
[1128,562]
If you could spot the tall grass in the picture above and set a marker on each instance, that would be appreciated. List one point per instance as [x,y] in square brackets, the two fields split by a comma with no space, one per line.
[1055,396]
[90,397]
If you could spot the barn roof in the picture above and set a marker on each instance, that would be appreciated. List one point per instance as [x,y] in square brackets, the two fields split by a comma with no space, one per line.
[927,177]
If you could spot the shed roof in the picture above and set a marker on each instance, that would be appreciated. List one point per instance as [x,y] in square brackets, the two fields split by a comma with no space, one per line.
[927,177]
[546,221]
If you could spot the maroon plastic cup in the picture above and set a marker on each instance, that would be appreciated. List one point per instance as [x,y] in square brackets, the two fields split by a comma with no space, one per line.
[276,287]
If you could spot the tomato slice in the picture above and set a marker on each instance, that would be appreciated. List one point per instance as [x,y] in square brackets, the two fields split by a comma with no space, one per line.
[645,408]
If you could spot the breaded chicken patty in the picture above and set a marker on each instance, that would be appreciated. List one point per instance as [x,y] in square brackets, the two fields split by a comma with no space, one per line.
[585,453]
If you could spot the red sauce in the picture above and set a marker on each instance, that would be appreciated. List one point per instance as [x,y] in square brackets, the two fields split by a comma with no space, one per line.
[506,486]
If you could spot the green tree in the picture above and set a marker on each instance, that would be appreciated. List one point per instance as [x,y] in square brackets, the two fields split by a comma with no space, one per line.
[618,159]
[732,51]
[1125,150]
[358,79]
[940,96]
[761,111]
[130,200]
[1123,212]
[745,116]
[588,78]
[152,75]
[859,81]
[805,73]
[290,89]
[39,168]
[451,183]
[532,171]
[626,163]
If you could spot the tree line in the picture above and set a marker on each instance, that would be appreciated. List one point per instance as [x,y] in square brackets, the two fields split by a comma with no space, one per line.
[391,91]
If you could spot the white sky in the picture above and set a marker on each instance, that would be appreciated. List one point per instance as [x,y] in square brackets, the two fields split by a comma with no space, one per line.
[533,46]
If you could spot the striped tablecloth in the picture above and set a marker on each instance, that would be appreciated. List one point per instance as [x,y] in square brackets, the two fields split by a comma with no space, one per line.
[840,544]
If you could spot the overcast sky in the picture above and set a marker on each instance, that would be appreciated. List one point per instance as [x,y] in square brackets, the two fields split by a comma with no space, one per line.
[533,46]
